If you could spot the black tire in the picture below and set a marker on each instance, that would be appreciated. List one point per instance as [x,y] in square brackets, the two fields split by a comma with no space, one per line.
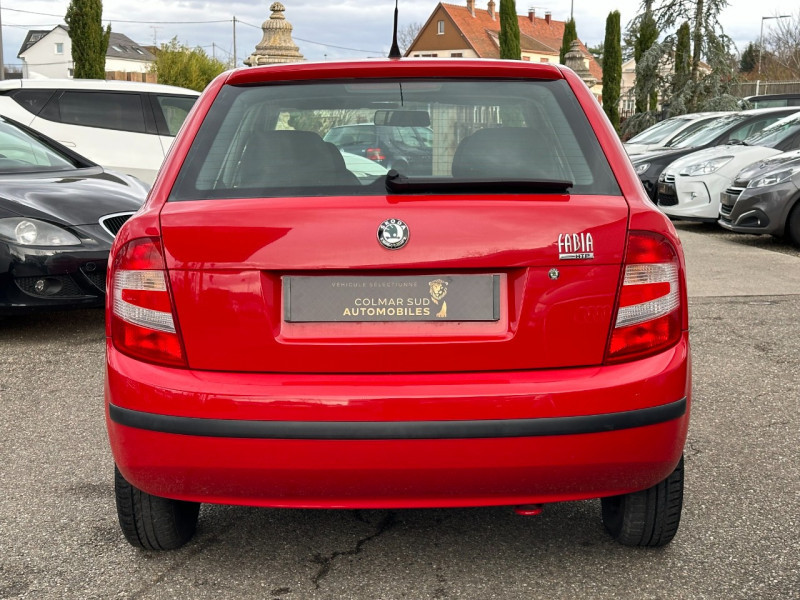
[152,522]
[647,518]
[793,225]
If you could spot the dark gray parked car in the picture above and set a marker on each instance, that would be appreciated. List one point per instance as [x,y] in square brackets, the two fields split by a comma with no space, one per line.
[765,198]
[400,140]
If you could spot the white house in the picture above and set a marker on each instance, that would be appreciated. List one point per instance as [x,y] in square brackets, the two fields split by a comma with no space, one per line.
[47,54]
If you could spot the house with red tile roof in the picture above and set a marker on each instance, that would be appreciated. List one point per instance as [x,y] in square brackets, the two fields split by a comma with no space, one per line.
[465,31]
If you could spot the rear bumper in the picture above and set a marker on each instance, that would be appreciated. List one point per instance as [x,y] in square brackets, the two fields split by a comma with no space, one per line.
[352,441]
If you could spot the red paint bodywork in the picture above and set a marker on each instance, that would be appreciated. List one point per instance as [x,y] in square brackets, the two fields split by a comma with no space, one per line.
[544,358]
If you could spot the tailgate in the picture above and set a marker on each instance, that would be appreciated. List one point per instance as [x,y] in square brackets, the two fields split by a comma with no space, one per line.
[484,283]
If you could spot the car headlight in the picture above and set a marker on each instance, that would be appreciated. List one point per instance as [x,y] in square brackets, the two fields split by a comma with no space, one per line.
[641,168]
[33,232]
[706,167]
[774,177]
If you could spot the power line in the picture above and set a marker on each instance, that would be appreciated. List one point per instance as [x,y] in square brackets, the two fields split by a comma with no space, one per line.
[340,47]
[318,43]
[234,19]
[28,12]
[41,14]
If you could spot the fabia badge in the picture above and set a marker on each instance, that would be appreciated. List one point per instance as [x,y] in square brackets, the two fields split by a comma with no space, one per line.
[393,234]
[575,246]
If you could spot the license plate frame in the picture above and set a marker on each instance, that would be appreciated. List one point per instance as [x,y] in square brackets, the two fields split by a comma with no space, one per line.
[391,298]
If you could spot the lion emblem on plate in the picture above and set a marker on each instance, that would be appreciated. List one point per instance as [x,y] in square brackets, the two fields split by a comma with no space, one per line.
[438,290]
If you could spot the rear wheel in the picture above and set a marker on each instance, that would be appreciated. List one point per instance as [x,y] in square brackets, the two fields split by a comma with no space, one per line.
[793,225]
[649,517]
[152,522]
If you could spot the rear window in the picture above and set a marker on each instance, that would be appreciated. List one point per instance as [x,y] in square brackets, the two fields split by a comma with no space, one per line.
[351,135]
[296,139]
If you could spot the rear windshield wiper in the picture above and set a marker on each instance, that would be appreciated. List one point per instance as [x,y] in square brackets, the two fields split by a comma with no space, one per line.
[401,184]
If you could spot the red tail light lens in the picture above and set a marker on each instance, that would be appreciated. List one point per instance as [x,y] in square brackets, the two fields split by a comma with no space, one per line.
[375,154]
[143,322]
[649,311]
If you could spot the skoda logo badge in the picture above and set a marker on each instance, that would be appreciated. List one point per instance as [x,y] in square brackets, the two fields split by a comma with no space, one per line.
[393,234]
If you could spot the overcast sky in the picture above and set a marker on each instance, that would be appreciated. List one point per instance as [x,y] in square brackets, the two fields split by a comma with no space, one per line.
[328,29]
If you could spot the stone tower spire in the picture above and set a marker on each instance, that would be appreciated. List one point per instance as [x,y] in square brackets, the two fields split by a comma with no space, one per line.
[577,61]
[276,45]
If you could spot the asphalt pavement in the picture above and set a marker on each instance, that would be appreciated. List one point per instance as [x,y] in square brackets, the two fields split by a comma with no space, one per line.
[739,537]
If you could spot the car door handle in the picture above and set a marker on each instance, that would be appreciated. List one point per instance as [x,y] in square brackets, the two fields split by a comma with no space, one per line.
[67,144]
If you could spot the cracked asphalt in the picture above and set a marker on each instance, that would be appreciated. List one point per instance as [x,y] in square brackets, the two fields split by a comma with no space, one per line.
[739,536]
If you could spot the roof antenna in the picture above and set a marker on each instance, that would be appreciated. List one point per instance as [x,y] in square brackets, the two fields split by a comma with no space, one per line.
[395,51]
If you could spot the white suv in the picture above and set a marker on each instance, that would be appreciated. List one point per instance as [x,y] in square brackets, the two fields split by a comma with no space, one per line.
[124,126]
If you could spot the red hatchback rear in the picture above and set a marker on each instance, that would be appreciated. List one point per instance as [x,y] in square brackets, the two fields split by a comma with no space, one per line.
[510,329]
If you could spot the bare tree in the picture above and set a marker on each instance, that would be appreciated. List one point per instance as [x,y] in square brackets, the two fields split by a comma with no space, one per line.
[406,35]
[783,45]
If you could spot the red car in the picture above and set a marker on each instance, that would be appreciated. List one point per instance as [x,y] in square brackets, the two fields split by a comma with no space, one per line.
[509,330]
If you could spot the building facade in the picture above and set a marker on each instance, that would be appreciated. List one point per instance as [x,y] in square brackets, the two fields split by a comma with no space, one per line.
[47,54]
[469,32]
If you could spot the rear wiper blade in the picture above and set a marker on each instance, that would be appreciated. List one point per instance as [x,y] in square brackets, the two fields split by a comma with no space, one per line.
[401,184]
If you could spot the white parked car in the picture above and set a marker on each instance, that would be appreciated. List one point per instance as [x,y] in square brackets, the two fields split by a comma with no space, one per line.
[690,187]
[659,136]
[124,126]
[365,169]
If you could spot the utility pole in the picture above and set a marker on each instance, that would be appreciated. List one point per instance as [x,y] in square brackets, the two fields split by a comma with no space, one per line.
[234,42]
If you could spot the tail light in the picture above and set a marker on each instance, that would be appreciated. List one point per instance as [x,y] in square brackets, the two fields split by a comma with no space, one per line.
[375,154]
[649,311]
[143,323]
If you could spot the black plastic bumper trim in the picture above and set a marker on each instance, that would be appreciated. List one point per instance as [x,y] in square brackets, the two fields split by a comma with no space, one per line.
[397,430]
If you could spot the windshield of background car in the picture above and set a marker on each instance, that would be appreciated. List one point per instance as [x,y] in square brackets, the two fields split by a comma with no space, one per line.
[776,133]
[658,132]
[20,152]
[709,133]
[287,139]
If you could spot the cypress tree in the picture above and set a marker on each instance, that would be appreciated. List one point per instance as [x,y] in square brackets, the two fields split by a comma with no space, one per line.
[612,68]
[570,33]
[683,59]
[89,40]
[509,31]
[647,36]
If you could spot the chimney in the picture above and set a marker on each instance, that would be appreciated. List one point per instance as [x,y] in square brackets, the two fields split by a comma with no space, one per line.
[532,15]
[491,9]
[471,7]
[547,17]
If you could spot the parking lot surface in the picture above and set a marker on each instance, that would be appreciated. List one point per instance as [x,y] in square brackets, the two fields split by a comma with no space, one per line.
[59,537]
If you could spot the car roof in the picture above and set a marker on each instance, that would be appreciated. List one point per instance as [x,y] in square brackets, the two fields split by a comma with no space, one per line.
[700,115]
[772,109]
[94,84]
[788,96]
